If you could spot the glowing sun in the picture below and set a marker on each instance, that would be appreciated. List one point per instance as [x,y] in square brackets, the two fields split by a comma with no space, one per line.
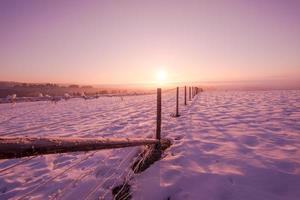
[161,76]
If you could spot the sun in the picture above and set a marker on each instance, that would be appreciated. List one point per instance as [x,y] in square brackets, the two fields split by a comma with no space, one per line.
[161,76]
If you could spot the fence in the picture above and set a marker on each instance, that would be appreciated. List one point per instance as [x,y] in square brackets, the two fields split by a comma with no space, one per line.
[16,147]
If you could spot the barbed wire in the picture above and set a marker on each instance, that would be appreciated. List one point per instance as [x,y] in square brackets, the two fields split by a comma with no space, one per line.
[78,178]
[97,187]
[58,174]
[129,174]
[128,171]
[14,165]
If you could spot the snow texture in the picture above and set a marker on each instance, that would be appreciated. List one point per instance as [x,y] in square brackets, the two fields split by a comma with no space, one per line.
[226,145]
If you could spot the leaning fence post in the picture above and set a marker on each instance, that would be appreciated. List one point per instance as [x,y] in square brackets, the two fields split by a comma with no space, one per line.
[158,117]
[184,95]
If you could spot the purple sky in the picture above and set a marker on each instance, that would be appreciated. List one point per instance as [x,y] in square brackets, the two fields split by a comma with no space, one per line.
[115,42]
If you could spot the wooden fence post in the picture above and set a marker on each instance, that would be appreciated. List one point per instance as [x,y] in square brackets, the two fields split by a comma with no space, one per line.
[158,117]
[192,92]
[177,102]
[190,96]
[184,95]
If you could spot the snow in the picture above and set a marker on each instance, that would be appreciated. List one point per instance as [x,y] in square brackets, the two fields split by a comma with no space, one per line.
[80,175]
[230,145]
[226,145]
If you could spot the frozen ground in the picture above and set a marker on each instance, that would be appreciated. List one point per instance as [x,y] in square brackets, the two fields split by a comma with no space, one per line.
[227,145]
[230,146]
[75,175]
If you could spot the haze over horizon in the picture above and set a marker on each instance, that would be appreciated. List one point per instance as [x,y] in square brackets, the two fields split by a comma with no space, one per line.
[128,42]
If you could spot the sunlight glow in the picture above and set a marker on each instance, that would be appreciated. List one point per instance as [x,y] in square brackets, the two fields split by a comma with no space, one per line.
[161,76]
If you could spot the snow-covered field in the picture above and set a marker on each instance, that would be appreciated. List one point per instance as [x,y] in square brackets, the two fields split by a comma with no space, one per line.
[226,145]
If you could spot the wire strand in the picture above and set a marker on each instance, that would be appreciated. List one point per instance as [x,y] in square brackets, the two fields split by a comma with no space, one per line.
[57,175]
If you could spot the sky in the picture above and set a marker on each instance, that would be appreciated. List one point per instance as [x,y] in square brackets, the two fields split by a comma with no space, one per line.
[130,42]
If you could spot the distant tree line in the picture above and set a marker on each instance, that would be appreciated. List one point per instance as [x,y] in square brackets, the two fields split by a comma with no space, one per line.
[51,89]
